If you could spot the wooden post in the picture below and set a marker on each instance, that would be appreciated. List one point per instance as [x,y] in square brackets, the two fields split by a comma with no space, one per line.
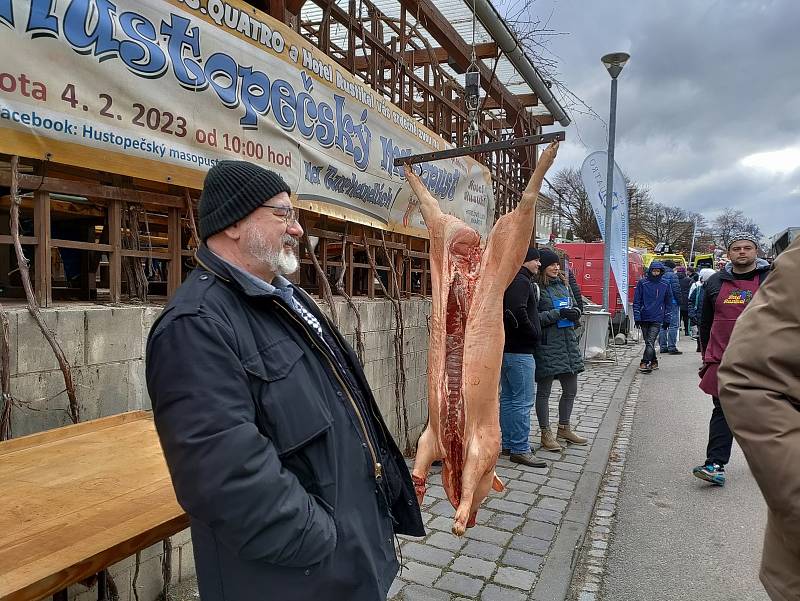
[115,256]
[174,238]
[41,224]
[348,278]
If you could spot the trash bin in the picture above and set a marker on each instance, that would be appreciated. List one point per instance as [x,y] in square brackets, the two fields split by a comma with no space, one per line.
[594,338]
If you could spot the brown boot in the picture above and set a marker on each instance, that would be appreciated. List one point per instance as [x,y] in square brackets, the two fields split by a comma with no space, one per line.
[566,433]
[549,441]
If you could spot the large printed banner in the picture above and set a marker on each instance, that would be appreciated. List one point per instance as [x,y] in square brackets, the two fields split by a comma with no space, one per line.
[163,89]
[594,173]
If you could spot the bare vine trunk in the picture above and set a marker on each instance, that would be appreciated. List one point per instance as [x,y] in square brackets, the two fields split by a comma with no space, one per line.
[33,306]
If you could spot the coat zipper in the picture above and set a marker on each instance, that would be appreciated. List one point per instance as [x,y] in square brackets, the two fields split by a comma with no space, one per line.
[377,467]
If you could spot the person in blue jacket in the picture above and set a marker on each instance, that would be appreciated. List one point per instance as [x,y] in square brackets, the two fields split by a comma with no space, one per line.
[668,339]
[652,311]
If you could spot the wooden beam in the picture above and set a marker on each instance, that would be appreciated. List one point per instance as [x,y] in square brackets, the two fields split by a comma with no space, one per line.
[174,236]
[41,225]
[422,56]
[460,52]
[523,99]
[91,190]
[114,257]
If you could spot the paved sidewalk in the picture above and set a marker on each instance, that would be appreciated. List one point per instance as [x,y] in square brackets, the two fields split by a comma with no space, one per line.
[658,532]
[502,558]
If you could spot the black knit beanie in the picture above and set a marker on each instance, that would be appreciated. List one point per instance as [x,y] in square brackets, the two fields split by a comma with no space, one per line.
[546,258]
[532,254]
[231,191]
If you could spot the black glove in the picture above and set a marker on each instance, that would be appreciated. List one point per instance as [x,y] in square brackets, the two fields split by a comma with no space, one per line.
[570,313]
[665,325]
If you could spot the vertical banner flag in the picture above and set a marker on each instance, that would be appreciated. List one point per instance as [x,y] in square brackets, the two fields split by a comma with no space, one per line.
[594,173]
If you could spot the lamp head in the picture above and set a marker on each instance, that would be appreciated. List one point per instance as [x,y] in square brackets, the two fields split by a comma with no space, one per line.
[614,62]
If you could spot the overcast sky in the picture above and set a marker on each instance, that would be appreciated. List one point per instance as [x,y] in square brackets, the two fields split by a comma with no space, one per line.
[708,111]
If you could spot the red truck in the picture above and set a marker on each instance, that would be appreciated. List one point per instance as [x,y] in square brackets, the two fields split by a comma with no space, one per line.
[586,260]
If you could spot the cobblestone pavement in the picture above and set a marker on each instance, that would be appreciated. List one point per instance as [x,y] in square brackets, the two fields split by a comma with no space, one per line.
[501,558]
[591,568]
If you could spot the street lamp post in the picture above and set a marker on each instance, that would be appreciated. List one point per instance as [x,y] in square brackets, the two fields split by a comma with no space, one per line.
[613,63]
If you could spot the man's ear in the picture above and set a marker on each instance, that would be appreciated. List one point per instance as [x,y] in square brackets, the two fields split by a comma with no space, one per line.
[234,232]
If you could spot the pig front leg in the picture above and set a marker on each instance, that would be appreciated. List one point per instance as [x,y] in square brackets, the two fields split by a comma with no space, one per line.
[428,451]
[477,478]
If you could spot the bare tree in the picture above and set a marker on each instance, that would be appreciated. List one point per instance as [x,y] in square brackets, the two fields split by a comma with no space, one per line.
[672,225]
[731,221]
[571,204]
[640,208]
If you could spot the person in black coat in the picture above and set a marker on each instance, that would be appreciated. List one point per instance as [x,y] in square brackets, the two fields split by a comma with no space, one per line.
[275,445]
[685,282]
[522,332]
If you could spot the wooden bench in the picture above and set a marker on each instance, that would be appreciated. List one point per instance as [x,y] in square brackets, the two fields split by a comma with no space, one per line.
[79,499]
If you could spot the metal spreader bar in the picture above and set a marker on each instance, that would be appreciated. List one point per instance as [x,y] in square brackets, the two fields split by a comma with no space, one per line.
[479,148]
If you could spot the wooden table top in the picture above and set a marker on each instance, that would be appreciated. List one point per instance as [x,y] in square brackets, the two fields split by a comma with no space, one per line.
[80,498]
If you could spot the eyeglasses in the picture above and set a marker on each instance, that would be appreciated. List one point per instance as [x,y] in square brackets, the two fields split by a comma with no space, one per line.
[288,214]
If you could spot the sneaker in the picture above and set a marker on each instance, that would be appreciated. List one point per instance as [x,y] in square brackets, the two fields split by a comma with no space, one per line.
[711,472]
[675,352]
[663,351]
[549,442]
[565,432]
[654,365]
[645,368]
[528,459]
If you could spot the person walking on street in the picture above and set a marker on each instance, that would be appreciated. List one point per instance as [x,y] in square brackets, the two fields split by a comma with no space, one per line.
[276,448]
[652,312]
[759,390]
[517,386]
[558,355]
[685,283]
[726,295]
[696,294]
[668,339]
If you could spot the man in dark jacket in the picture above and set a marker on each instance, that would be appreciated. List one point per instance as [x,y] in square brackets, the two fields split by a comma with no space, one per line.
[726,295]
[517,386]
[685,282]
[668,339]
[652,311]
[275,445]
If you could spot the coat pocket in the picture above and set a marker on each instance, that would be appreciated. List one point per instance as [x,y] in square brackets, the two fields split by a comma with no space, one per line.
[289,396]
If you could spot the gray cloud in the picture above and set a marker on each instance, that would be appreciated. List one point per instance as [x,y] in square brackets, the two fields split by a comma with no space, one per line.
[709,83]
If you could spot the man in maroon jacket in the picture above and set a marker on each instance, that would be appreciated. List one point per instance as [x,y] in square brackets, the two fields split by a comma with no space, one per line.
[727,293]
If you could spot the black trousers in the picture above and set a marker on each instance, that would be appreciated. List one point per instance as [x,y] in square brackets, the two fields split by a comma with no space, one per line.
[720,437]
[685,320]
[650,335]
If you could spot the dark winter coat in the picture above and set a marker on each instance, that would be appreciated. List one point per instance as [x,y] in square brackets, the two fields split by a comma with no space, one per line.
[712,288]
[272,438]
[520,314]
[652,299]
[576,290]
[671,278]
[696,304]
[558,351]
[685,283]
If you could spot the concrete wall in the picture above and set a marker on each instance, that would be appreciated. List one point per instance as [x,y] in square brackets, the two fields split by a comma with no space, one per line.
[105,346]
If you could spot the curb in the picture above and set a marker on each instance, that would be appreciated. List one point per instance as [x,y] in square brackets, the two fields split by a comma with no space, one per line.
[556,576]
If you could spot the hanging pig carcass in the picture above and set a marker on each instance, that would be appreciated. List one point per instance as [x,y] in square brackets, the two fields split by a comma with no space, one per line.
[466,344]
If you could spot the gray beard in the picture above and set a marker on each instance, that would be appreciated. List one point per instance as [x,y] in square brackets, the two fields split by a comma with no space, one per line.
[280,261]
